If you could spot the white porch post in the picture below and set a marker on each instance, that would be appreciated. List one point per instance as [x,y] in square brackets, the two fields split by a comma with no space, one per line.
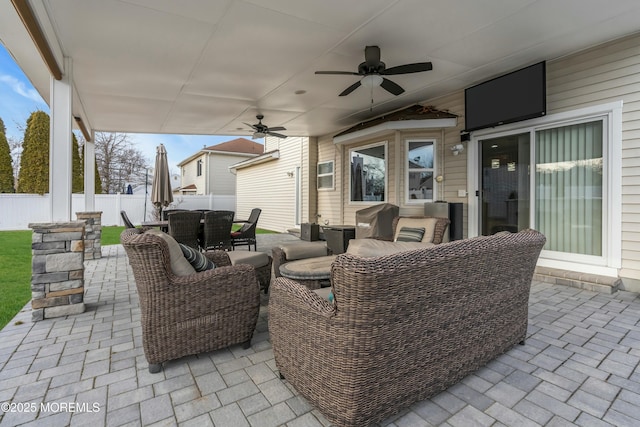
[89,173]
[60,145]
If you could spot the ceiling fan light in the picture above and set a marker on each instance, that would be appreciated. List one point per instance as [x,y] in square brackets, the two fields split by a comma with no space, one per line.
[257,135]
[371,80]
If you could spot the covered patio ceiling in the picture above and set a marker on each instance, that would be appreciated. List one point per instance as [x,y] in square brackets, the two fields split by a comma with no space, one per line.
[206,67]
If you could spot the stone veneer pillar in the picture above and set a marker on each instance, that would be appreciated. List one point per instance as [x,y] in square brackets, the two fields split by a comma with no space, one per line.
[92,234]
[57,280]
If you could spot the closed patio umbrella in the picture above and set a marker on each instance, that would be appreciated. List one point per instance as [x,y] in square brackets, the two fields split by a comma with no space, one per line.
[161,194]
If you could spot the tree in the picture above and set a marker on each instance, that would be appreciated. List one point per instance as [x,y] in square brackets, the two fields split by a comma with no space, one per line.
[77,180]
[118,162]
[6,166]
[34,162]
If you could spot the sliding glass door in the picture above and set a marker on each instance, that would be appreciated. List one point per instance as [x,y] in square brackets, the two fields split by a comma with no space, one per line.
[569,187]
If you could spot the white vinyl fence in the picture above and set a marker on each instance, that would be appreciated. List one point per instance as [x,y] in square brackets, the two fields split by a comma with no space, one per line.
[17,211]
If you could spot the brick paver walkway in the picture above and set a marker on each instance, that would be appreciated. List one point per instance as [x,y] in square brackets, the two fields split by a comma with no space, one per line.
[579,367]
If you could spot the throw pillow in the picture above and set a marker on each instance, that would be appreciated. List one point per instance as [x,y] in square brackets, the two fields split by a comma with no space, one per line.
[198,261]
[179,265]
[410,234]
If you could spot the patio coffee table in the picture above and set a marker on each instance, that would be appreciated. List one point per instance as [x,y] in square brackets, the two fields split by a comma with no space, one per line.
[311,272]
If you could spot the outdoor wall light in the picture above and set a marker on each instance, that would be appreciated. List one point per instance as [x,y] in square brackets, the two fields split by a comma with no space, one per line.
[290,174]
[457,149]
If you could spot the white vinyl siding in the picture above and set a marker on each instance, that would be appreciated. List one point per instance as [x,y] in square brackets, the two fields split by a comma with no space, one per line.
[271,186]
[608,73]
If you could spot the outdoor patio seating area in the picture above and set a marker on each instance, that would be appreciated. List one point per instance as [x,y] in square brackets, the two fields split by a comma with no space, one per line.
[579,366]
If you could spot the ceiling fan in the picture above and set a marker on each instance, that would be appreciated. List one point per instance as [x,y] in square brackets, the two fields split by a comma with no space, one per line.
[261,130]
[372,71]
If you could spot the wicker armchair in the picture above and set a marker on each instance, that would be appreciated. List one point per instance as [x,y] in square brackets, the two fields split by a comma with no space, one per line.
[217,230]
[185,227]
[246,235]
[402,327]
[196,313]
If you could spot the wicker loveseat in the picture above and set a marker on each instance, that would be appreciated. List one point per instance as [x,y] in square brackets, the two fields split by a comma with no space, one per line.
[402,327]
[193,313]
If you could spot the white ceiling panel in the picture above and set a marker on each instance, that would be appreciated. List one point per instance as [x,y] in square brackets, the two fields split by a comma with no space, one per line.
[205,67]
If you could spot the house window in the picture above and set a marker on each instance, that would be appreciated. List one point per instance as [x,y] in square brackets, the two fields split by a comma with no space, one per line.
[199,167]
[420,169]
[368,173]
[325,175]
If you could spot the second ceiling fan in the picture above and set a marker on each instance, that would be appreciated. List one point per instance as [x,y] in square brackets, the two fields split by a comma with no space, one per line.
[261,130]
[373,69]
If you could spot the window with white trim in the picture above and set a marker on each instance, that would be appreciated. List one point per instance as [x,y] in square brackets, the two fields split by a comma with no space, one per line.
[420,171]
[325,175]
[199,167]
[368,173]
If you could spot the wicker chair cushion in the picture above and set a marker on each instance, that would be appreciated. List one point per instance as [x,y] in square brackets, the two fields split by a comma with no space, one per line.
[433,227]
[372,247]
[256,259]
[179,264]
[410,234]
[197,260]
[303,250]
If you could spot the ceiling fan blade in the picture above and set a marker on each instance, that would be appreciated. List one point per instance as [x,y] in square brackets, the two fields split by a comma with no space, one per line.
[277,128]
[347,73]
[278,135]
[251,126]
[418,67]
[391,87]
[372,55]
[351,88]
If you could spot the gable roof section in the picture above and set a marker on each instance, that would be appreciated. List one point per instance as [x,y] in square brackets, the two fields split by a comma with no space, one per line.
[411,117]
[238,145]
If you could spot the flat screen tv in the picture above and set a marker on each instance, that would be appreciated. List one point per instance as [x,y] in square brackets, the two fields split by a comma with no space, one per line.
[516,96]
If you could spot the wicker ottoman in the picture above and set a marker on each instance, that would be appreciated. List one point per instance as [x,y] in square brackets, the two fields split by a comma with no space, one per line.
[259,260]
[292,251]
[314,273]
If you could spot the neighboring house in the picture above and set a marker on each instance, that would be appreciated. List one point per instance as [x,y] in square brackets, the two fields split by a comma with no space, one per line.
[207,171]
[592,221]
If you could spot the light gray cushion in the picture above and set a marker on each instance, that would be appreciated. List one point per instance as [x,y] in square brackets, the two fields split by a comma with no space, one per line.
[303,250]
[256,259]
[427,223]
[373,247]
[179,264]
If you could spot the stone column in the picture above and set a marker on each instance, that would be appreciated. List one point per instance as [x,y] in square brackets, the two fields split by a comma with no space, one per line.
[57,280]
[92,234]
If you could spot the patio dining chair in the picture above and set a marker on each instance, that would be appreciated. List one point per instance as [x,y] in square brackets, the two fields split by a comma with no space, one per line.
[217,230]
[185,227]
[246,235]
[126,220]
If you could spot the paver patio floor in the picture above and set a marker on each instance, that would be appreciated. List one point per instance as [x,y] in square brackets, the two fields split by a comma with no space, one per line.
[579,366]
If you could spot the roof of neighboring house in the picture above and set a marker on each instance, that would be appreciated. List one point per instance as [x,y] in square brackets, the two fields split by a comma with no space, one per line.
[240,146]
[188,187]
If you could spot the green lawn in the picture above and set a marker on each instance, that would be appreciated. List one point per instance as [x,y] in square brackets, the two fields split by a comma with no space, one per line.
[15,267]
[15,273]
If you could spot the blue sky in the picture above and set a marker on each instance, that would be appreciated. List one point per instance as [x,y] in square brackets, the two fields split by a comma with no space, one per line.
[18,99]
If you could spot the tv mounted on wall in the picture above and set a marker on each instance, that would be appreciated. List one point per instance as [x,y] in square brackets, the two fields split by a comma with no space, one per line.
[516,96]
